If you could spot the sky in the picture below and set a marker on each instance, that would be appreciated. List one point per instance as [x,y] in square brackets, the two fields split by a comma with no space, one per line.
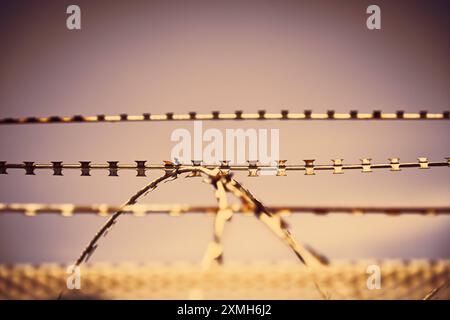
[171,56]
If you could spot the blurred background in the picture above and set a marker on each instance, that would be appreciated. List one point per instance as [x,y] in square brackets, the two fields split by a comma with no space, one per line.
[172,56]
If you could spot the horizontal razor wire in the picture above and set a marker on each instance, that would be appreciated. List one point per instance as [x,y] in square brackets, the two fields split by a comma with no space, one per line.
[237,115]
[253,168]
[140,210]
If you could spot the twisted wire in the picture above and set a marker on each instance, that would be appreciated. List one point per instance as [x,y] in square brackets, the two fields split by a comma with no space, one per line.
[275,223]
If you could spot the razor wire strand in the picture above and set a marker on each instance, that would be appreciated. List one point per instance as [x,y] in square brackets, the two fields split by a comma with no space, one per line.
[223,183]
[237,115]
[176,210]
[214,251]
[253,168]
[275,223]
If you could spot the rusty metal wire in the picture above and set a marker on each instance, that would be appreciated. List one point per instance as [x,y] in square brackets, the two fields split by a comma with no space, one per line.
[440,292]
[214,252]
[223,183]
[401,279]
[175,210]
[253,168]
[218,175]
[274,222]
[237,115]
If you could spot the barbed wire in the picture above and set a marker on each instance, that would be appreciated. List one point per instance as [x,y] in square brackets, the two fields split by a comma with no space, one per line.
[219,176]
[253,167]
[223,183]
[175,210]
[214,177]
[224,213]
[438,291]
[237,115]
